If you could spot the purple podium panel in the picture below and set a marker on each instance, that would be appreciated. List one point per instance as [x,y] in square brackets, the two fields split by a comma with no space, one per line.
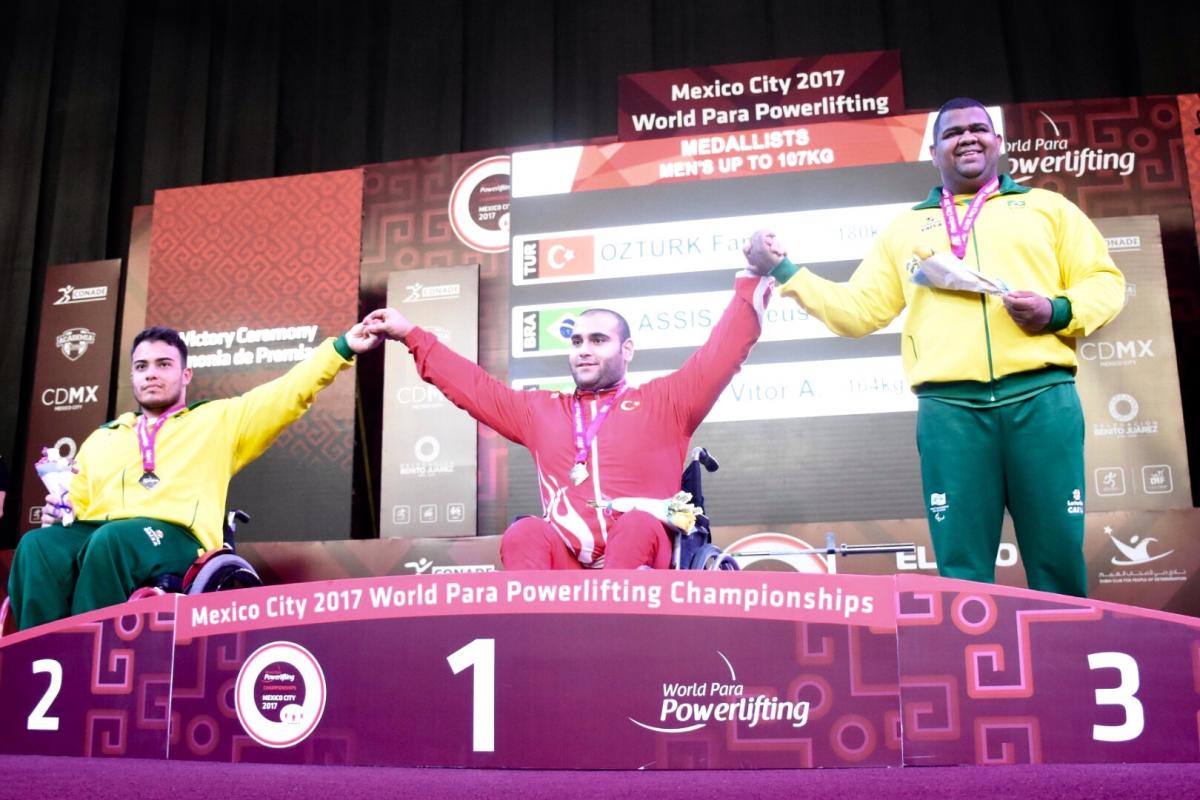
[991,675]
[653,670]
[98,684]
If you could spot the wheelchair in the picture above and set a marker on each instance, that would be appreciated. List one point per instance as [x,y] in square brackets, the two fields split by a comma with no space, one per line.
[694,548]
[217,570]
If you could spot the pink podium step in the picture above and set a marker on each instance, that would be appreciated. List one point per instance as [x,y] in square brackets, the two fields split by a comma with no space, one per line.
[633,670]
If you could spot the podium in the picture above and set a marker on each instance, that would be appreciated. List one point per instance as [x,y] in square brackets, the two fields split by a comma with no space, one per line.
[620,670]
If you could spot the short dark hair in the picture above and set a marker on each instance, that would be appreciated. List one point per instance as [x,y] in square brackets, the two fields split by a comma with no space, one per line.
[622,325]
[159,333]
[955,104]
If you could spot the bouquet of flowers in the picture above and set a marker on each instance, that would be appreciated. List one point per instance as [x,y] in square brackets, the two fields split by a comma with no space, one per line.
[56,473]
[947,271]
[678,510]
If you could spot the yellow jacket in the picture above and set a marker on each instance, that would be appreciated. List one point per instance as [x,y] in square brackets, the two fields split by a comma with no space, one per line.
[197,450]
[1030,238]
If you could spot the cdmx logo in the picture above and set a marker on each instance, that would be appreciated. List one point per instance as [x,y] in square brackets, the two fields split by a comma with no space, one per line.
[689,706]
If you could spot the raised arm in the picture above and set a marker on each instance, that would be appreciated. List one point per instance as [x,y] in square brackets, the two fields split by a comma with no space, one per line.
[695,387]
[463,382]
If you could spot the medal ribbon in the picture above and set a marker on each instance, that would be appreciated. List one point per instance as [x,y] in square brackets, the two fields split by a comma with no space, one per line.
[146,434]
[960,232]
[583,439]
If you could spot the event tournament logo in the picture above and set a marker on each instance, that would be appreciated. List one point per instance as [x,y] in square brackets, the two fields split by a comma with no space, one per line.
[479,205]
[280,694]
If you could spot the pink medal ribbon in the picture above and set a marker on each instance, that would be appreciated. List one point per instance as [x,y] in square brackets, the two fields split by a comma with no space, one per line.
[960,232]
[146,434]
[583,439]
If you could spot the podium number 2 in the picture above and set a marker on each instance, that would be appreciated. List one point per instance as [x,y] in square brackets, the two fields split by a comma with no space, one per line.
[480,654]
[1122,695]
[37,720]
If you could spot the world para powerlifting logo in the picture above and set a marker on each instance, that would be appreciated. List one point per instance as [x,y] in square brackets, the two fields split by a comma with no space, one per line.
[690,705]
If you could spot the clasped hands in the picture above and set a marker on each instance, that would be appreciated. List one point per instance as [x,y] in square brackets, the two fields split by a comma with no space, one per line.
[380,324]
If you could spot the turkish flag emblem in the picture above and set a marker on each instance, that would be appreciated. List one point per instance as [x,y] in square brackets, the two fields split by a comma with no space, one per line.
[571,255]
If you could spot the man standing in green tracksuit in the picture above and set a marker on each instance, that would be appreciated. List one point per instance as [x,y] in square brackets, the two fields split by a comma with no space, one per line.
[149,491]
[998,421]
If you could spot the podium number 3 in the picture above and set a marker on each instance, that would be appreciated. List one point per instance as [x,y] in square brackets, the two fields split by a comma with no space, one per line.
[1121,695]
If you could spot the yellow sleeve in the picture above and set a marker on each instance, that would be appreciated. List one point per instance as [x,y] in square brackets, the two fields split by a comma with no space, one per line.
[871,299]
[1090,279]
[80,492]
[262,413]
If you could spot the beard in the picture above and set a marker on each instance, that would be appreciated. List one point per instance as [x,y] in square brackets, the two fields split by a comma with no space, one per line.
[157,403]
[606,376]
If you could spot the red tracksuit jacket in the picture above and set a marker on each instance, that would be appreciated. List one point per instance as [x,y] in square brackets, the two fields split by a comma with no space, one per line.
[640,448]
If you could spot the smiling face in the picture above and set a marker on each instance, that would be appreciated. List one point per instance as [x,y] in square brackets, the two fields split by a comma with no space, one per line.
[159,377]
[599,354]
[966,149]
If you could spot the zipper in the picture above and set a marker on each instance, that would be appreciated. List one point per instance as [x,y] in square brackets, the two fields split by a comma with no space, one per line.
[987,331]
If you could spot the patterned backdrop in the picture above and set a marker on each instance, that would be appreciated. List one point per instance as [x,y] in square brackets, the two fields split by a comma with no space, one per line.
[407,226]
[1150,128]
[269,253]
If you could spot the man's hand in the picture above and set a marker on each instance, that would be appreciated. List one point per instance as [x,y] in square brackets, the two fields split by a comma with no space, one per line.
[52,511]
[387,322]
[361,340]
[1029,310]
[764,252]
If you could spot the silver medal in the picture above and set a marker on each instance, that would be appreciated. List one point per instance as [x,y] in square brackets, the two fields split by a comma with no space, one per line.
[578,474]
[148,480]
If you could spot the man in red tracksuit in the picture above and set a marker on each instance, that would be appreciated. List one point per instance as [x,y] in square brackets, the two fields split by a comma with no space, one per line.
[607,440]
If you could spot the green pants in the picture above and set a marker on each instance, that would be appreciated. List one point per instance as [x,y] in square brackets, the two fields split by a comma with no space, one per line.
[58,571]
[1026,456]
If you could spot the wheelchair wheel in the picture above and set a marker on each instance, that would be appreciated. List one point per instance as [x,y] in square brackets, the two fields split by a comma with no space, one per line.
[710,556]
[224,571]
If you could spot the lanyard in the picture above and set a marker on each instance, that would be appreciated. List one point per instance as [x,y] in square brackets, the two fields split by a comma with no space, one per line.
[959,232]
[146,434]
[583,439]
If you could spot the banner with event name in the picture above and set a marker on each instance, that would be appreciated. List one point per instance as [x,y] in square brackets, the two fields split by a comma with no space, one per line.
[429,458]
[73,371]
[759,94]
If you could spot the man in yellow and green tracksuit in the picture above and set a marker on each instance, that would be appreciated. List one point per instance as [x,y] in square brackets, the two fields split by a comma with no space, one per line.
[150,491]
[999,422]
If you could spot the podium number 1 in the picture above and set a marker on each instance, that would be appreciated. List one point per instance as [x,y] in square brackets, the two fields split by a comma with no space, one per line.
[480,654]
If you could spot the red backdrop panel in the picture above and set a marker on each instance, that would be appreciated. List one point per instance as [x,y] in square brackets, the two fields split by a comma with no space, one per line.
[261,254]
